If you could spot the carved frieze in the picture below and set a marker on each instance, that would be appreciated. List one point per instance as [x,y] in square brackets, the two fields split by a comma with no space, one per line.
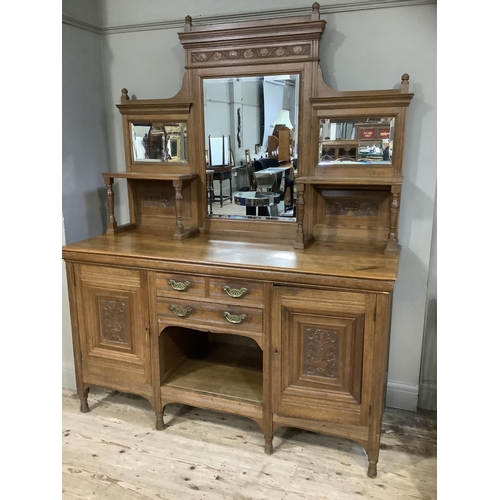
[352,208]
[320,352]
[114,326]
[158,201]
[255,53]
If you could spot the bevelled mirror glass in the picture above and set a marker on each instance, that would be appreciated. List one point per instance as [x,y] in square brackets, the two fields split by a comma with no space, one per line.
[355,141]
[159,142]
[251,126]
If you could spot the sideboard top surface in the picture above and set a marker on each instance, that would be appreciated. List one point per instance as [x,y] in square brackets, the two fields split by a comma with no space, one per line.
[152,249]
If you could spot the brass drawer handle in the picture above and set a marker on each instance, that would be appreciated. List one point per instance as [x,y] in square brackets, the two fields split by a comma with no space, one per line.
[235,319]
[236,293]
[182,312]
[180,286]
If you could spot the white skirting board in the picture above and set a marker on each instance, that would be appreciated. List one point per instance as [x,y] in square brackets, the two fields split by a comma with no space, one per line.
[401,395]
[68,376]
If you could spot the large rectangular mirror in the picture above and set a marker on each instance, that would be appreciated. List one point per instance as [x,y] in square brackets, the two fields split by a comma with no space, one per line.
[251,126]
[356,141]
[159,142]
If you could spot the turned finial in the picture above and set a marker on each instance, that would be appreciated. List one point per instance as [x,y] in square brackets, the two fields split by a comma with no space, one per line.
[188,22]
[405,82]
[125,96]
[315,11]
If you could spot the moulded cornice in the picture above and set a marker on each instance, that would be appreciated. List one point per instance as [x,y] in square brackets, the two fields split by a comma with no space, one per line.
[153,107]
[343,100]
[331,8]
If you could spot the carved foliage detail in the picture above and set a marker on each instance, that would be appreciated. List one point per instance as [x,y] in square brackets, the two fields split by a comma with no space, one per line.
[320,352]
[253,53]
[114,321]
[352,208]
[158,201]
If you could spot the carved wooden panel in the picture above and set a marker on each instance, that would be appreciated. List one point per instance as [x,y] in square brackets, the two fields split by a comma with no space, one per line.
[352,207]
[155,204]
[346,204]
[259,54]
[321,352]
[353,215]
[319,364]
[114,325]
[113,317]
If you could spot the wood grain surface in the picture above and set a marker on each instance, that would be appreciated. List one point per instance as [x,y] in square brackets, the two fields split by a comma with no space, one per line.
[113,453]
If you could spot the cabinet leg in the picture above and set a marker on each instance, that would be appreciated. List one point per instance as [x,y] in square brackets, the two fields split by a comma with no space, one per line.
[84,403]
[372,469]
[160,424]
[372,464]
[269,445]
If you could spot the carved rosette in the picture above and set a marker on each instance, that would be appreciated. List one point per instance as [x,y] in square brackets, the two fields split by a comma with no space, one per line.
[114,321]
[254,53]
[320,352]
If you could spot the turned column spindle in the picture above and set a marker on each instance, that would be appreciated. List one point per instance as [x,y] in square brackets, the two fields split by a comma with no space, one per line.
[299,238]
[393,241]
[179,227]
[111,206]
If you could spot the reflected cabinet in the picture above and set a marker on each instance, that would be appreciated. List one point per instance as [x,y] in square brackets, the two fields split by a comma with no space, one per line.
[255,273]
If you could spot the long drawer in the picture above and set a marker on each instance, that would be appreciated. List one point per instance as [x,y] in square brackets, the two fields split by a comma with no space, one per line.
[209,315]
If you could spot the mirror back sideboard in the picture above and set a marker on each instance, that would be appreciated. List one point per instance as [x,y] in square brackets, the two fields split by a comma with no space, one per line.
[285,322]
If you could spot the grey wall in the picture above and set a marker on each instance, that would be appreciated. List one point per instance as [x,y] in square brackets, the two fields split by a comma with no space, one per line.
[361,49]
[427,396]
[84,134]
[371,49]
[84,144]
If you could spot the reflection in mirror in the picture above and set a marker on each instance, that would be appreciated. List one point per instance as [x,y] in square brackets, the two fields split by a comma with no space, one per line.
[159,142]
[251,145]
[356,141]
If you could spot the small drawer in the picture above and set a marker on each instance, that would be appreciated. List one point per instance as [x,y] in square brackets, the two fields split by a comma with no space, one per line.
[235,291]
[180,285]
[229,318]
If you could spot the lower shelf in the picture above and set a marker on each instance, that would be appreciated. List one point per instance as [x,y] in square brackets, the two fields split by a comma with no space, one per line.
[222,371]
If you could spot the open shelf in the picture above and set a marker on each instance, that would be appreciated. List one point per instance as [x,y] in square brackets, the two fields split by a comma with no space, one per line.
[230,372]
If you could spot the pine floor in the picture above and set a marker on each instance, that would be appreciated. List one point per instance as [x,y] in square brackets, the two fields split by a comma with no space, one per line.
[113,452]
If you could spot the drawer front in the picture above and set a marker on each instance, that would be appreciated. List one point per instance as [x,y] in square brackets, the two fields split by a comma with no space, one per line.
[180,285]
[236,291]
[219,317]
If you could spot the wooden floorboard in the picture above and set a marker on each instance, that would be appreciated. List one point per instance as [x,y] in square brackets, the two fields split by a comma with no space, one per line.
[113,452]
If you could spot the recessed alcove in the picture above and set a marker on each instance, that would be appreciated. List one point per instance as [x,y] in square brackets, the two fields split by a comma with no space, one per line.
[228,368]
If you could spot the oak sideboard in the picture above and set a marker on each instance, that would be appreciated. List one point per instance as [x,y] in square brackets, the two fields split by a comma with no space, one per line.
[283,319]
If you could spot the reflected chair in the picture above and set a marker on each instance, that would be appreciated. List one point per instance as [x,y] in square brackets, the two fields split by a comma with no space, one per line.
[210,191]
[267,183]
[264,184]
[220,160]
[285,189]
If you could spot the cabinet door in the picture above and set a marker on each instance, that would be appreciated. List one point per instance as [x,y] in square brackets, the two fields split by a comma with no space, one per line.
[112,310]
[322,364]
